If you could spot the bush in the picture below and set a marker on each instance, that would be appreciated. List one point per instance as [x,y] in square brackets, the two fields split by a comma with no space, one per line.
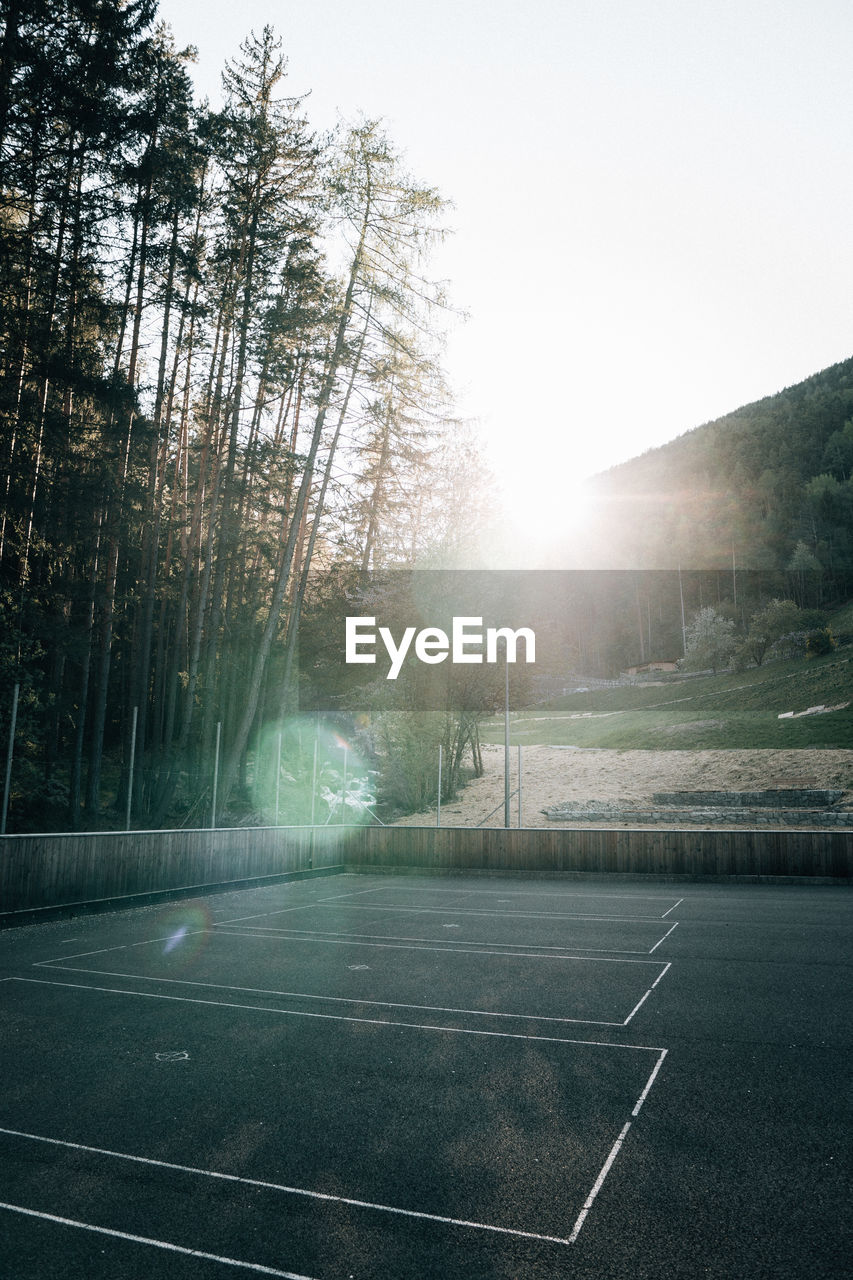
[792,645]
[819,642]
[709,640]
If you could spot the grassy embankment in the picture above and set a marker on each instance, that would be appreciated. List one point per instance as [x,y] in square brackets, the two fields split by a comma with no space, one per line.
[735,710]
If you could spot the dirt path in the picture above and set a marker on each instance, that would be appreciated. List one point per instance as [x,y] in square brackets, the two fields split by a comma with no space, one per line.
[553,775]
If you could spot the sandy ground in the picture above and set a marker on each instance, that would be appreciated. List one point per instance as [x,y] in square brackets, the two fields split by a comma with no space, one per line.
[554,775]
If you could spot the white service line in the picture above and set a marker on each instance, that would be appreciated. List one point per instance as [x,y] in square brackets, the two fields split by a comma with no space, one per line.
[381,1004]
[649,1084]
[599,1182]
[466,911]
[536,893]
[286,1190]
[641,1002]
[257,1267]
[120,946]
[672,908]
[299,906]
[664,938]
[614,1151]
[335,1017]
[301,935]
[281,935]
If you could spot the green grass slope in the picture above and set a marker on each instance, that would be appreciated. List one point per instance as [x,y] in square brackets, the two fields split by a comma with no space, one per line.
[722,712]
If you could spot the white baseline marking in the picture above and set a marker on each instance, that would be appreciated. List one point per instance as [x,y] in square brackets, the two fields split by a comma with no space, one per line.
[380,1004]
[298,906]
[283,935]
[285,1190]
[466,911]
[521,893]
[334,1017]
[614,1151]
[257,1267]
[641,1002]
[122,946]
[664,938]
[672,908]
[307,934]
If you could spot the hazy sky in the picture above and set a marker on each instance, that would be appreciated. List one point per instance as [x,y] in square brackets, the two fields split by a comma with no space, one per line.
[653,198]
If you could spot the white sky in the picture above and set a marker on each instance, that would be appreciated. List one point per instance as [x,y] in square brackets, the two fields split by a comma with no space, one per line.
[653,199]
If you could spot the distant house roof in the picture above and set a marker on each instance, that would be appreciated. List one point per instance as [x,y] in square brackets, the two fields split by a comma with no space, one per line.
[661,664]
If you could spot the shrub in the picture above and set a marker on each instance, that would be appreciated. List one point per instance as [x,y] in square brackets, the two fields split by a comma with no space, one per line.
[819,642]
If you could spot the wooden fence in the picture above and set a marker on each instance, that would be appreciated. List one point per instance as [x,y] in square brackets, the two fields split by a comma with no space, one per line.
[64,870]
[688,853]
[49,871]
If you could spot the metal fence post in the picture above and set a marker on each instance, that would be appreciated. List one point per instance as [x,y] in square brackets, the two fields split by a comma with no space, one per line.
[9,758]
[277,779]
[506,744]
[130,773]
[519,784]
[215,774]
[314,783]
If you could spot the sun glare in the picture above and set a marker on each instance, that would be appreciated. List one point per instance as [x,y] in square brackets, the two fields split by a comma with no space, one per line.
[546,512]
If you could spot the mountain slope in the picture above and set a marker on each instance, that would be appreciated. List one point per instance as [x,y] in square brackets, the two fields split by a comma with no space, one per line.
[757,484]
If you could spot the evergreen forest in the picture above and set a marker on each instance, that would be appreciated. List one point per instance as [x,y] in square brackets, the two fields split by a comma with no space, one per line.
[767,487]
[223,411]
[220,368]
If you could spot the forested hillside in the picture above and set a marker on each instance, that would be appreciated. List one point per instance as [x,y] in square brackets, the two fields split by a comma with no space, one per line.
[770,485]
[219,368]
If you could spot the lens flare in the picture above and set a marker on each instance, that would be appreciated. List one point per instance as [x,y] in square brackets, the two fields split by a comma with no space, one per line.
[176,939]
[187,929]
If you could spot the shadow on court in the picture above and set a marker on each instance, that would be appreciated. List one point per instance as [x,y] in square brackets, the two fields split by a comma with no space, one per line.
[369,1077]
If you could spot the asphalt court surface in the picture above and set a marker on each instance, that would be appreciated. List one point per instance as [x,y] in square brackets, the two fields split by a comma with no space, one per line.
[366,1076]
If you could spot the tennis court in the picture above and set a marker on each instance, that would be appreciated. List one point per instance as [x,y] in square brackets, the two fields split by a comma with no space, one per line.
[360,1077]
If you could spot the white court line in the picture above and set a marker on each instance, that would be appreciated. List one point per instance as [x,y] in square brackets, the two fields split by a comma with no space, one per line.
[298,907]
[380,1004]
[332,940]
[664,938]
[364,1204]
[286,1190]
[614,1151]
[121,946]
[521,893]
[303,934]
[155,1244]
[672,908]
[461,911]
[599,1182]
[282,935]
[334,1017]
[640,1003]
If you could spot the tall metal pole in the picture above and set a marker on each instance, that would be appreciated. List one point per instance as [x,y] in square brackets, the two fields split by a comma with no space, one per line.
[506,742]
[344,792]
[519,784]
[130,774]
[683,624]
[9,758]
[314,783]
[438,810]
[277,779]
[215,774]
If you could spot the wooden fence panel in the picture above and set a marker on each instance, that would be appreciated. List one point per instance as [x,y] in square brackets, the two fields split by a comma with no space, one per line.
[63,870]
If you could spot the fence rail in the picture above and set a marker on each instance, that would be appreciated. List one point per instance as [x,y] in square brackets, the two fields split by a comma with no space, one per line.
[795,853]
[49,871]
[65,870]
